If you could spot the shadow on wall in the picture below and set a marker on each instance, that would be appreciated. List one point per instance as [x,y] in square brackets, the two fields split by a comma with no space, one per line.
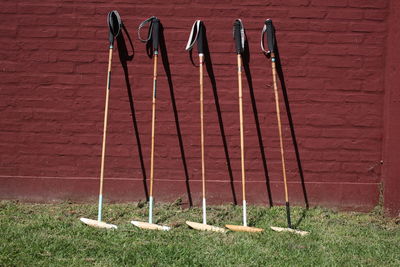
[210,71]
[167,69]
[246,66]
[124,58]
[291,124]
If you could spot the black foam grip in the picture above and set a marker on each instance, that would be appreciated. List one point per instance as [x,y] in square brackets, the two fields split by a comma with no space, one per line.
[237,36]
[110,38]
[200,39]
[270,35]
[110,30]
[155,34]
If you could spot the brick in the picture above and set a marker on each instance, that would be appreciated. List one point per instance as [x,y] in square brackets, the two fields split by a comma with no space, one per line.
[321,72]
[378,15]
[37,32]
[308,13]
[368,3]
[355,167]
[316,38]
[329,3]
[56,67]
[329,26]
[343,84]
[76,33]
[367,27]
[290,25]
[340,62]
[340,38]
[39,9]
[373,62]
[8,8]
[375,39]
[291,3]
[374,85]
[345,14]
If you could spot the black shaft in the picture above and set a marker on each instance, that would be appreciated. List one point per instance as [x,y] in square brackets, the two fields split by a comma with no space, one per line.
[237,36]
[288,215]
[270,35]
[200,39]
[109,80]
[155,34]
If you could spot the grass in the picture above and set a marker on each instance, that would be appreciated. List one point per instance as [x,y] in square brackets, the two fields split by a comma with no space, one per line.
[51,234]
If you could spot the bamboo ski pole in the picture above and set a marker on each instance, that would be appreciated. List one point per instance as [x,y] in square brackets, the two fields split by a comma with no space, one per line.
[197,35]
[239,65]
[239,37]
[200,50]
[271,46]
[270,30]
[203,176]
[103,147]
[278,117]
[154,32]
[153,121]
[114,23]
[155,37]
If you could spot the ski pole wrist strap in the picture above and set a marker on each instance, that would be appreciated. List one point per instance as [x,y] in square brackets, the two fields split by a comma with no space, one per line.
[270,30]
[153,32]
[149,33]
[196,35]
[239,36]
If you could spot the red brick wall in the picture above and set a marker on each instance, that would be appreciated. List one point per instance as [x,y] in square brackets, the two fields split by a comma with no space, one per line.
[52,87]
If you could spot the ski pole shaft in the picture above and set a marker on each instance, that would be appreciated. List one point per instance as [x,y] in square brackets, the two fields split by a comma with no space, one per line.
[278,116]
[239,65]
[203,176]
[153,121]
[103,148]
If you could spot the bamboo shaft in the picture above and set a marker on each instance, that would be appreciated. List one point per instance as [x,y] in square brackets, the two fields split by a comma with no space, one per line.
[239,63]
[153,119]
[278,116]
[103,149]
[203,176]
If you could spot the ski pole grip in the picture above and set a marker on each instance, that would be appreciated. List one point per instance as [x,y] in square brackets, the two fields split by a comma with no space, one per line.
[237,36]
[111,38]
[155,33]
[114,25]
[200,39]
[270,35]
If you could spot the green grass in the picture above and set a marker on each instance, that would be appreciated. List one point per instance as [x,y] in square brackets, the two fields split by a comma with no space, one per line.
[51,234]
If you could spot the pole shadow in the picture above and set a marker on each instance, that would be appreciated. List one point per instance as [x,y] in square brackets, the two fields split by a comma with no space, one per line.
[166,65]
[210,72]
[292,131]
[124,58]
[291,123]
[246,66]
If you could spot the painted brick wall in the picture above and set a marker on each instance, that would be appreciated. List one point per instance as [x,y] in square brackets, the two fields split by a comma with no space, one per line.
[52,86]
